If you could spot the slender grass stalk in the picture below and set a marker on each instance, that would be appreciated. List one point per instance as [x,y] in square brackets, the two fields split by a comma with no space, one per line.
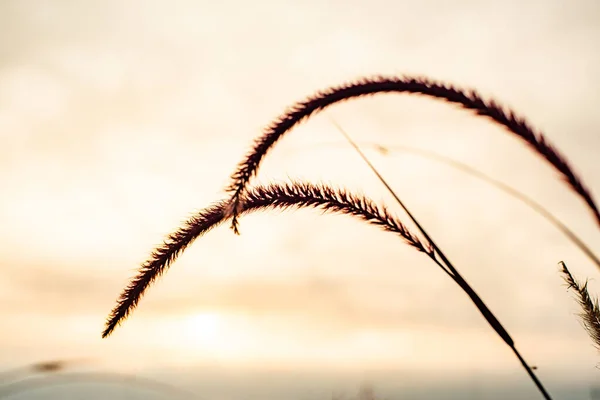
[43,367]
[467,99]
[454,274]
[259,198]
[66,379]
[590,315]
[509,190]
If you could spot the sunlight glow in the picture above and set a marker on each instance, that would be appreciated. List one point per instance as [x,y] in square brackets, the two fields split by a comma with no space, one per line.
[202,329]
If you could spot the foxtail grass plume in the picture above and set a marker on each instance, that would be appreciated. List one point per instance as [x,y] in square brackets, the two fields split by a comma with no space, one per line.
[273,196]
[467,99]
[590,312]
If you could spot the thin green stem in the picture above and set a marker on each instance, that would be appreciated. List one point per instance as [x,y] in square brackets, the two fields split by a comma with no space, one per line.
[485,311]
[528,201]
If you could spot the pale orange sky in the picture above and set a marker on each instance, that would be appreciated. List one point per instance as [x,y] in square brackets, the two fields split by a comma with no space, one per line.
[119,119]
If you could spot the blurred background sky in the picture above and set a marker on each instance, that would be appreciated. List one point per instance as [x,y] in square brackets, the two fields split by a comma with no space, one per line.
[118,120]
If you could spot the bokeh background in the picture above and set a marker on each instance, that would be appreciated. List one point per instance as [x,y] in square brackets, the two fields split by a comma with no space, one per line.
[119,119]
